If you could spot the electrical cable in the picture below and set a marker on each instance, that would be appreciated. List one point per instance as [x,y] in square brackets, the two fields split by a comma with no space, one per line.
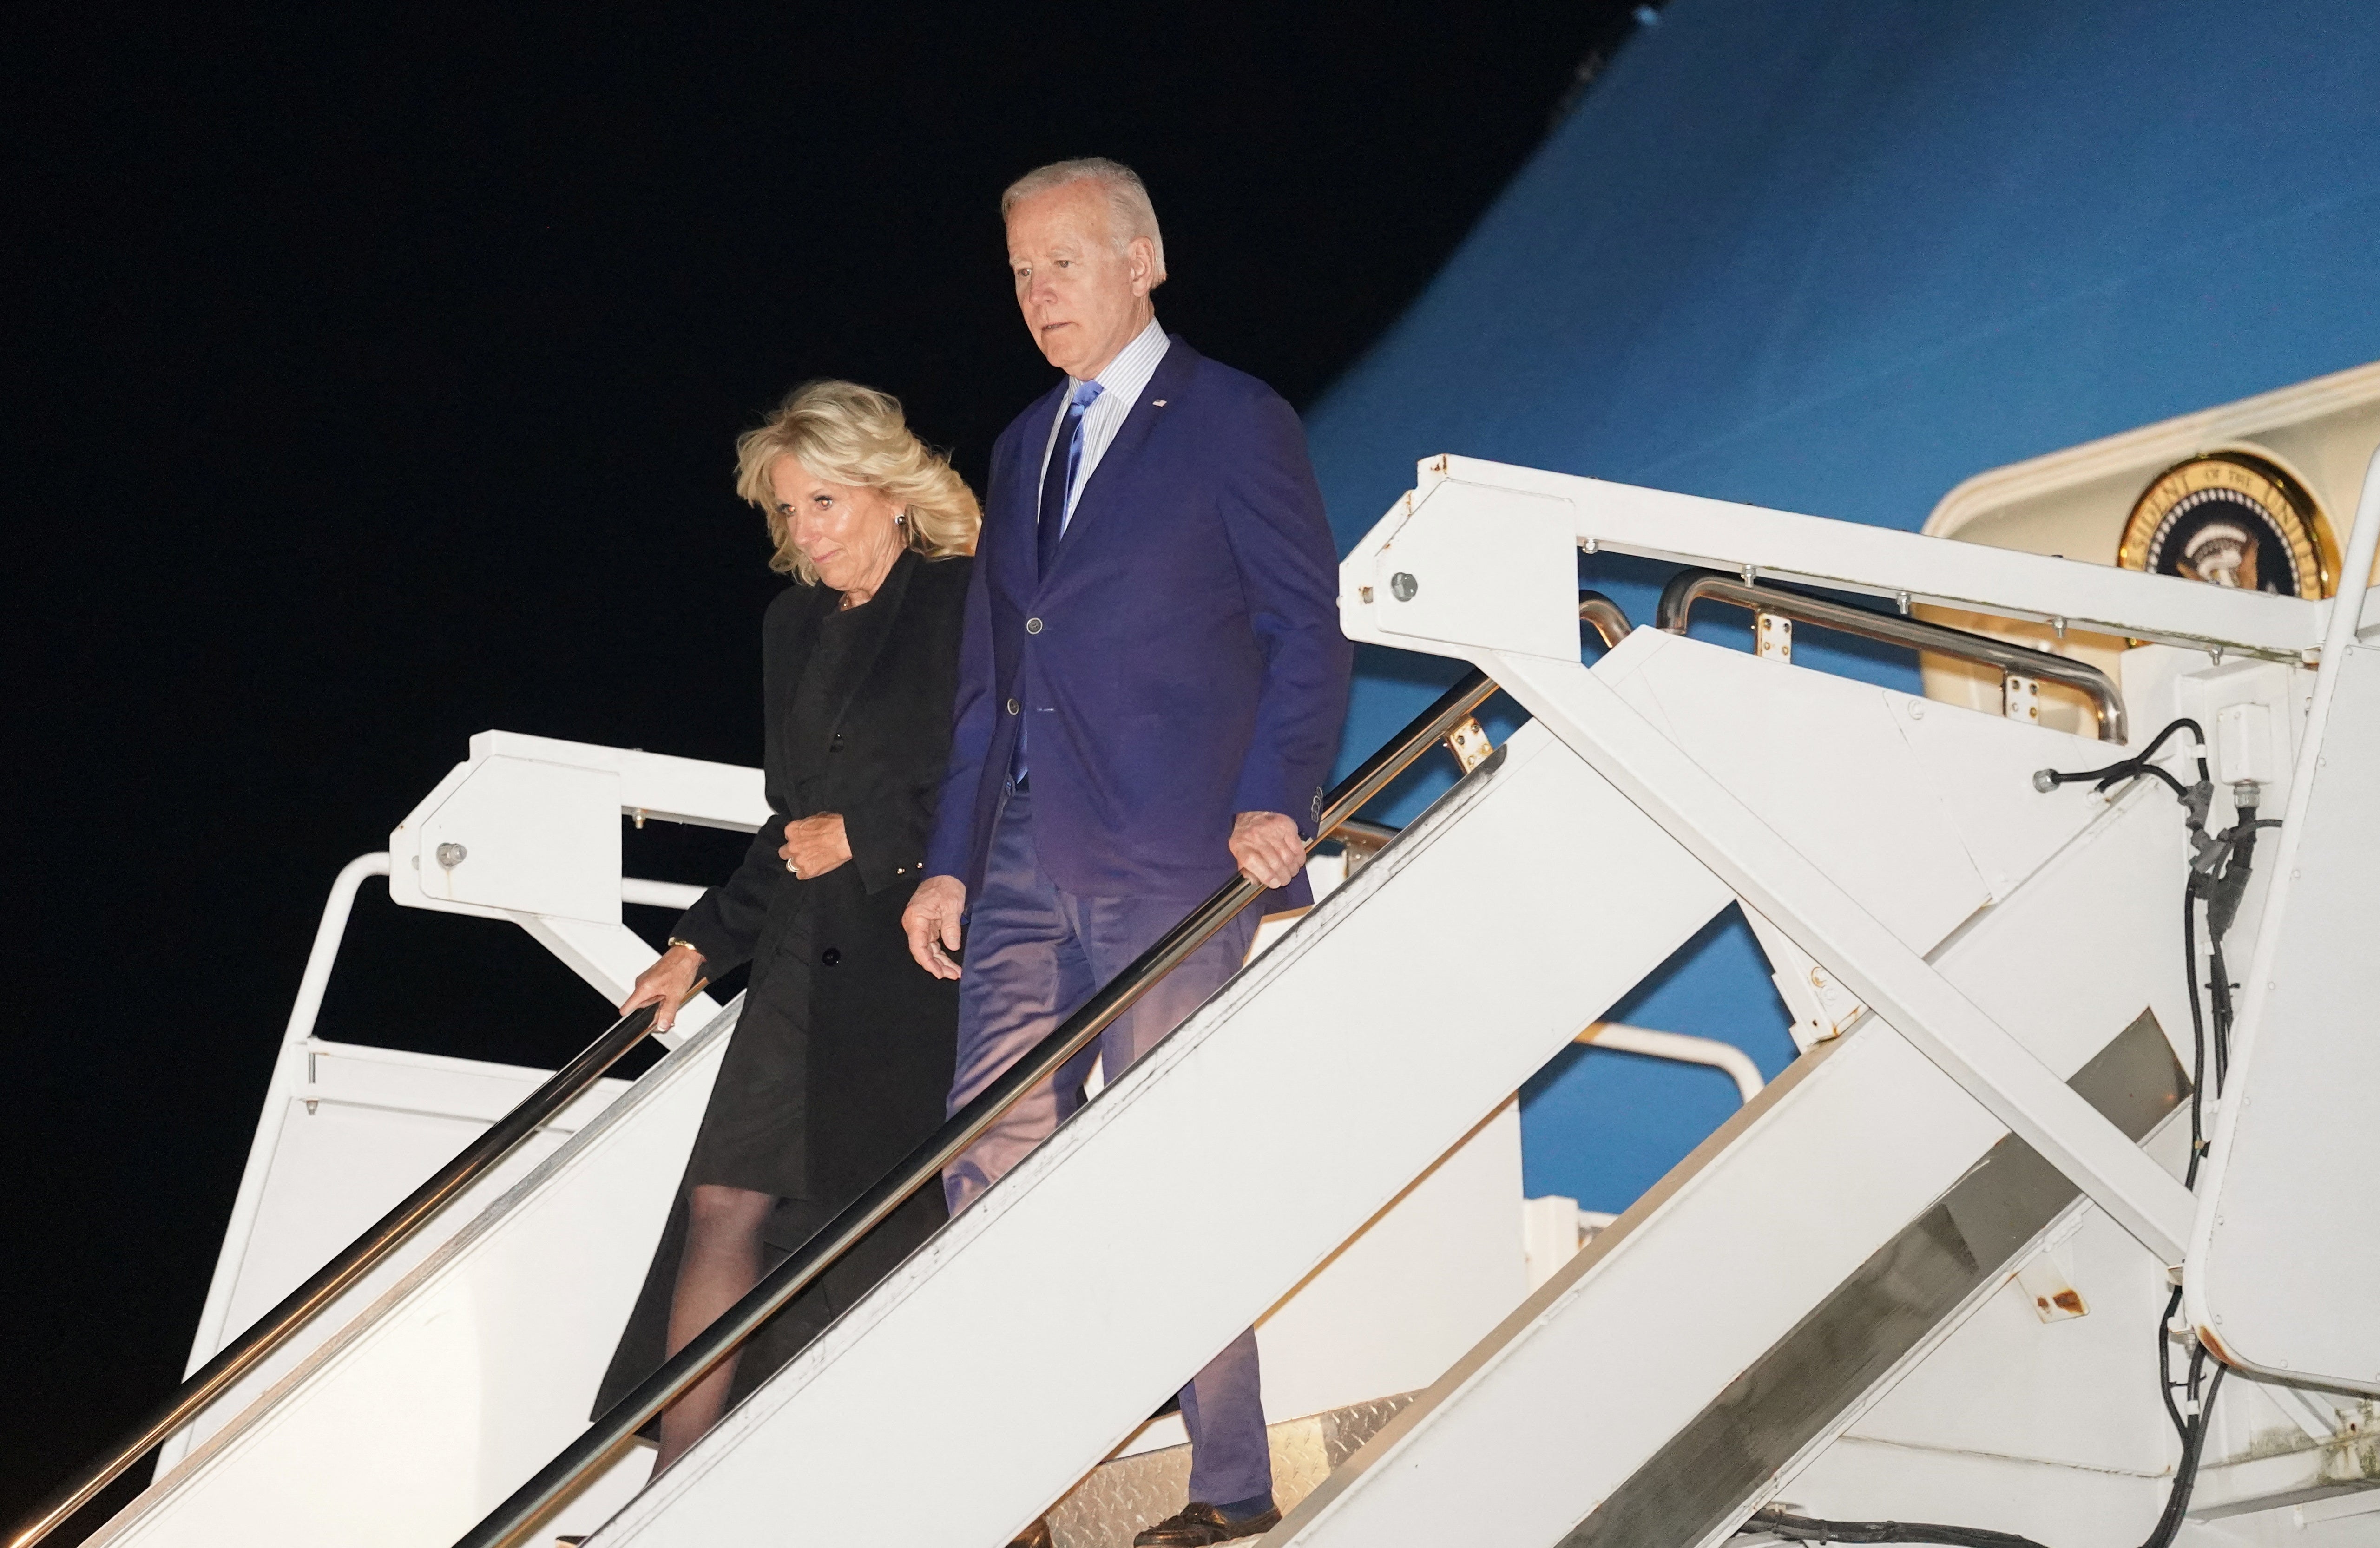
[1809,1529]
[2048,779]
[2219,989]
[2219,875]
[2166,1384]
[2197,1036]
[2185,1473]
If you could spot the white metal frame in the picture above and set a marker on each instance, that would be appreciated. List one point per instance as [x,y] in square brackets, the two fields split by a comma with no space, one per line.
[1479,573]
[607,955]
[288,1072]
[2271,934]
[549,811]
[1462,567]
[1679,1047]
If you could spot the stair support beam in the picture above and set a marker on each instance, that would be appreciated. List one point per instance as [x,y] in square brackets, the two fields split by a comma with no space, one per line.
[1771,876]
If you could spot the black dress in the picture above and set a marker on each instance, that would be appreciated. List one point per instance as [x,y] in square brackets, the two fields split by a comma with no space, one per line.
[841,1061]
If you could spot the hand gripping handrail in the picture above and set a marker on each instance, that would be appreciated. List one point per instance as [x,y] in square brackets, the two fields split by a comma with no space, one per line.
[392,1231]
[1689,586]
[925,1164]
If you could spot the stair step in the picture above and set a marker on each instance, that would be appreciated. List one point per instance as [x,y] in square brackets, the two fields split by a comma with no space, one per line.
[1119,1499]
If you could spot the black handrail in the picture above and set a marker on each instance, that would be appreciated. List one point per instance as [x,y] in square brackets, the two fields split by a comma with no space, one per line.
[924,1165]
[1689,586]
[392,1231]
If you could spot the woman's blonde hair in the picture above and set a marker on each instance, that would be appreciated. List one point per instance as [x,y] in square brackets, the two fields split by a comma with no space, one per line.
[849,434]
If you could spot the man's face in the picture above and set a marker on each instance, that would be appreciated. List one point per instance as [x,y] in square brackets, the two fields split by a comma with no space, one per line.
[1083,300]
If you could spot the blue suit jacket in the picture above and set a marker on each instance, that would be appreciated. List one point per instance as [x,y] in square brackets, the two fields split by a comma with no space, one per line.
[1181,662]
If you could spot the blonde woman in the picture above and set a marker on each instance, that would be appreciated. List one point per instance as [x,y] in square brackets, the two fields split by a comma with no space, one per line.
[844,1053]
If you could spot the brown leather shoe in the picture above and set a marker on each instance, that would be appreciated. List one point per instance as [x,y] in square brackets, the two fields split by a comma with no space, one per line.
[1035,1536]
[1200,1524]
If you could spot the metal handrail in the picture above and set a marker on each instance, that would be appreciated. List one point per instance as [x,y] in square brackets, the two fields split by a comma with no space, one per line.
[1689,586]
[1363,839]
[925,1164]
[392,1231]
[1603,614]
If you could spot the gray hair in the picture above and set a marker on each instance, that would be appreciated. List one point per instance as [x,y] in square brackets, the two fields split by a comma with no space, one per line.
[1130,213]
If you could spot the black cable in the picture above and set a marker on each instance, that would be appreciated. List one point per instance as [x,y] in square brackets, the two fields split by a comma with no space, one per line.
[2218,873]
[2131,767]
[2219,989]
[2185,1473]
[1809,1529]
[2197,1036]
[2197,1143]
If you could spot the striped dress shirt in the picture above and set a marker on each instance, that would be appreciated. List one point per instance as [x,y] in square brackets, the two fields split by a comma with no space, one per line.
[1120,388]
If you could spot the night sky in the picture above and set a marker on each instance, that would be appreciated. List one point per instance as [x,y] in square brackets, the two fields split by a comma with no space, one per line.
[377,387]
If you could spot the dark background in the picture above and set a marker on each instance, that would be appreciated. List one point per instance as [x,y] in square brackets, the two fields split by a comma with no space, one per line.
[377,386]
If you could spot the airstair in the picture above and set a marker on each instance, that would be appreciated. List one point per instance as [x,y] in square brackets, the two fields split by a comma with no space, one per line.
[1945,1269]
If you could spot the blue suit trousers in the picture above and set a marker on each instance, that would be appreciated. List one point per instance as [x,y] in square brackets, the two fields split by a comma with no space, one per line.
[1035,953]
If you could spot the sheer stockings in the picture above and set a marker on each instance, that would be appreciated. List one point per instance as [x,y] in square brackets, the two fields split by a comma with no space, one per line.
[721,1262]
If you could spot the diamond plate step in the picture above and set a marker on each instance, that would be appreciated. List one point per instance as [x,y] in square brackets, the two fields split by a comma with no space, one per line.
[1121,1498]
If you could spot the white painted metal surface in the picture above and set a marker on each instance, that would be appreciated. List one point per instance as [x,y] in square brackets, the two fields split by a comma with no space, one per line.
[1891,853]
[528,829]
[440,1392]
[1844,1149]
[353,1132]
[544,816]
[1346,1075]
[1870,956]
[330,1156]
[2288,1180]
[1485,596]
[1422,1282]
[1383,1312]
[289,1069]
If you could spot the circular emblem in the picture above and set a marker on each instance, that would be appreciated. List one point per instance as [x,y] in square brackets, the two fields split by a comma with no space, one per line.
[2231,519]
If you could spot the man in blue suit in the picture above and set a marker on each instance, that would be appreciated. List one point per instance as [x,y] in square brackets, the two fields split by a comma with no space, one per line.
[1149,698]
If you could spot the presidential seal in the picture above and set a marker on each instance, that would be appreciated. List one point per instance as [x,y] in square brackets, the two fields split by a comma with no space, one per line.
[2229,518]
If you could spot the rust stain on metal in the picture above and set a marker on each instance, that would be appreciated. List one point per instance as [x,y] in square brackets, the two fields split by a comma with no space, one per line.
[2069,1300]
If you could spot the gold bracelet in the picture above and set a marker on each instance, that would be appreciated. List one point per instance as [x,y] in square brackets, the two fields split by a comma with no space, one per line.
[681,940]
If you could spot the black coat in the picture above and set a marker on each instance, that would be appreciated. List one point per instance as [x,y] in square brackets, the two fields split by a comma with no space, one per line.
[862,1039]
[841,1059]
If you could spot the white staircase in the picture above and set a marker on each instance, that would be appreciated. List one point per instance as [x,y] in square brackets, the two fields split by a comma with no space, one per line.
[1853,1298]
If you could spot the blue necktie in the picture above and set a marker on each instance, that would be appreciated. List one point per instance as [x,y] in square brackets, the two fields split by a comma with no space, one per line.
[1057,482]
[1058,479]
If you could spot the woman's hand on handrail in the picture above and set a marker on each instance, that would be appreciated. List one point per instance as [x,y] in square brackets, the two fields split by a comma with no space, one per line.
[667,985]
[814,846]
[932,921]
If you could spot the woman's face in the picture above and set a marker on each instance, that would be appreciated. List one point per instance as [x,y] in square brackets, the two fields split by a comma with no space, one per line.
[847,532]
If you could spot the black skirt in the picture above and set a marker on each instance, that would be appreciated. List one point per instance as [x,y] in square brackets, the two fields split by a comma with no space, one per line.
[815,1098]
[756,1134]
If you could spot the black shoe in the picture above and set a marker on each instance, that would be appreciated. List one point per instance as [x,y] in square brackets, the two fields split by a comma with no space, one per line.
[1035,1536]
[1200,1524]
